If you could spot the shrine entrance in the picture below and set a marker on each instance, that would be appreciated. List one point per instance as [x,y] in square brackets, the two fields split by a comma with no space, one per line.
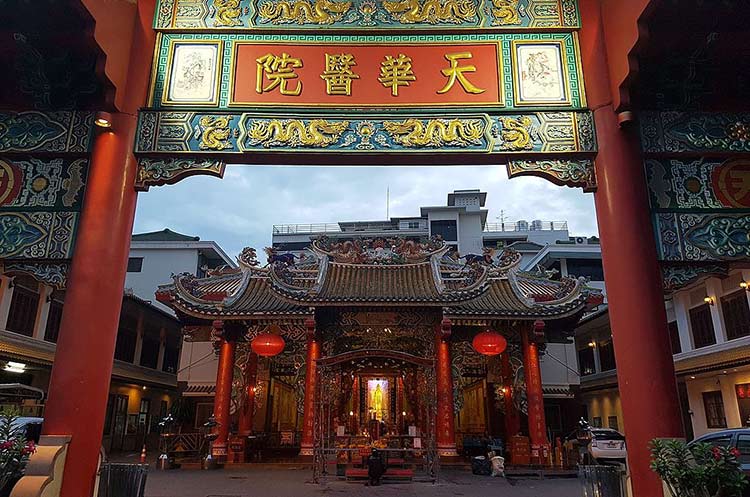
[375,399]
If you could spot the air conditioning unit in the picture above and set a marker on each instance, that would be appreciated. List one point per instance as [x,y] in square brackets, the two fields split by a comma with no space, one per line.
[581,240]
[536,225]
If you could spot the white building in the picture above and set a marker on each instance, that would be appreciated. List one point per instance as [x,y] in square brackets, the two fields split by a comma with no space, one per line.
[462,222]
[709,327]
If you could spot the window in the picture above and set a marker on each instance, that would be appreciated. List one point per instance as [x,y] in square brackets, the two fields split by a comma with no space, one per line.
[743,445]
[718,440]
[446,229]
[607,355]
[135,264]
[703,327]
[413,225]
[589,268]
[171,354]
[596,422]
[150,350]
[714,406]
[126,338]
[736,314]
[612,423]
[22,315]
[586,361]
[53,321]
[674,337]
[144,416]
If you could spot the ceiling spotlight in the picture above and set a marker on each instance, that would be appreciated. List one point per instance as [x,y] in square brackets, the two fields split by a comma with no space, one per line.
[15,367]
[103,119]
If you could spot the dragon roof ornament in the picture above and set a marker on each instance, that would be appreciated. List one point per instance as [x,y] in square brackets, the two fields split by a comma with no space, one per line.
[379,251]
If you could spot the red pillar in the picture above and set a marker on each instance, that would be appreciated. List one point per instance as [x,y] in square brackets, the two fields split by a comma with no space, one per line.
[80,378]
[223,397]
[311,381]
[534,398]
[446,436]
[245,424]
[512,418]
[645,369]
[79,383]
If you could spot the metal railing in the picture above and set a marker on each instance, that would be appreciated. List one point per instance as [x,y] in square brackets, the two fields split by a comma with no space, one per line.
[349,227]
[122,480]
[527,226]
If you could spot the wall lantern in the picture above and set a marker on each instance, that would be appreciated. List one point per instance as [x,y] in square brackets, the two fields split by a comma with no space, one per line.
[709,300]
[268,344]
[592,344]
[489,343]
[103,119]
[744,285]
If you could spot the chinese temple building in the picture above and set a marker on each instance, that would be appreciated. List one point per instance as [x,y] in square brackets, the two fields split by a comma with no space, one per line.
[374,329]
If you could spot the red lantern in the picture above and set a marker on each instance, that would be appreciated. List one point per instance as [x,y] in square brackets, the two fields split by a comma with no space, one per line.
[489,343]
[267,344]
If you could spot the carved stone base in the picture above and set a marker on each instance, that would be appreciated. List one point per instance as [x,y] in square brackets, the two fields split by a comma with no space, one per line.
[44,472]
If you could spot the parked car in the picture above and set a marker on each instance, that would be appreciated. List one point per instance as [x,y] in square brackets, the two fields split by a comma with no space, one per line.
[607,445]
[31,426]
[740,438]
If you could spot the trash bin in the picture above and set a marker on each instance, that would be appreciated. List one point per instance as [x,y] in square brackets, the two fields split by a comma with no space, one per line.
[122,480]
[601,481]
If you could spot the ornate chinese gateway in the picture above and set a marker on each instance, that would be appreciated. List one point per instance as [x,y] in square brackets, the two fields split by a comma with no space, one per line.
[313,81]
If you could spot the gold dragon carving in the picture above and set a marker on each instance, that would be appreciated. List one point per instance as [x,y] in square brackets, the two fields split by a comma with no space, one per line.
[215,133]
[228,13]
[304,11]
[516,133]
[505,12]
[431,11]
[414,132]
[295,133]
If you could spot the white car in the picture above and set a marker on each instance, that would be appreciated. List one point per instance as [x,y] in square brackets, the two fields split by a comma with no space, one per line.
[607,445]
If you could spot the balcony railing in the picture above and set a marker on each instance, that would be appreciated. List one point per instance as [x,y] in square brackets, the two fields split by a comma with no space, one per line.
[364,227]
[527,226]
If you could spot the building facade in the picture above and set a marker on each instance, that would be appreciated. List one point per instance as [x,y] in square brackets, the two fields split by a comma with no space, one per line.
[709,330]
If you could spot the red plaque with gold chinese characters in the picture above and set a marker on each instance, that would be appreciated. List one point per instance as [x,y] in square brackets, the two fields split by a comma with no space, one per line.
[366,75]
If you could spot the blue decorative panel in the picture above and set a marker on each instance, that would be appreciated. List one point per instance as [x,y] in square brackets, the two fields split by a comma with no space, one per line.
[681,132]
[37,235]
[702,237]
[57,132]
[327,15]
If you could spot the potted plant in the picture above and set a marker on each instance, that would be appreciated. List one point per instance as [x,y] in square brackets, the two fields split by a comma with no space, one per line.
[697,470]
[14,451]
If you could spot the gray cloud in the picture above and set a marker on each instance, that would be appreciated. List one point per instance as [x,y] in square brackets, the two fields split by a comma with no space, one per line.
[241,209]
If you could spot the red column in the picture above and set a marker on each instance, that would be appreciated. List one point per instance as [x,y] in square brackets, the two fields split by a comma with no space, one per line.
[245,424]
[80,378]
[446,436]
[79,383]
[223,397]
[311,380]
[645,369]
[512,418]
[534,399]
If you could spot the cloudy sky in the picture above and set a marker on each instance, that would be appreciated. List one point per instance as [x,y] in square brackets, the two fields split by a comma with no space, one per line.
[241,209]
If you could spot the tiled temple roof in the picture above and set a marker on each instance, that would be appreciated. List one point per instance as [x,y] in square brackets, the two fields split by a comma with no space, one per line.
[369,273]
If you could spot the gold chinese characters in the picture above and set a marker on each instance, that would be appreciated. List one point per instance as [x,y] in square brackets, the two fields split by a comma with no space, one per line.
[278,73]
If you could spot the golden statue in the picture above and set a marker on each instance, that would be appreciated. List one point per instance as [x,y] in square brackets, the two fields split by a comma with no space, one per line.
[377,401]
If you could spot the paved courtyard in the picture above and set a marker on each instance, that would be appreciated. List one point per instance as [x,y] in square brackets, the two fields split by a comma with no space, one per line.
[292,482]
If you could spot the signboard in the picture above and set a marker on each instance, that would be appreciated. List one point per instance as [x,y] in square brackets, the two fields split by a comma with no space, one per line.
[288,80]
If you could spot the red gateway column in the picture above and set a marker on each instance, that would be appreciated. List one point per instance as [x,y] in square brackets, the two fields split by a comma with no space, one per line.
[80,378]
[512,418]
[444,426]
[645,369]
[308,419]
[534,399]
[245,423]
[223,398]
